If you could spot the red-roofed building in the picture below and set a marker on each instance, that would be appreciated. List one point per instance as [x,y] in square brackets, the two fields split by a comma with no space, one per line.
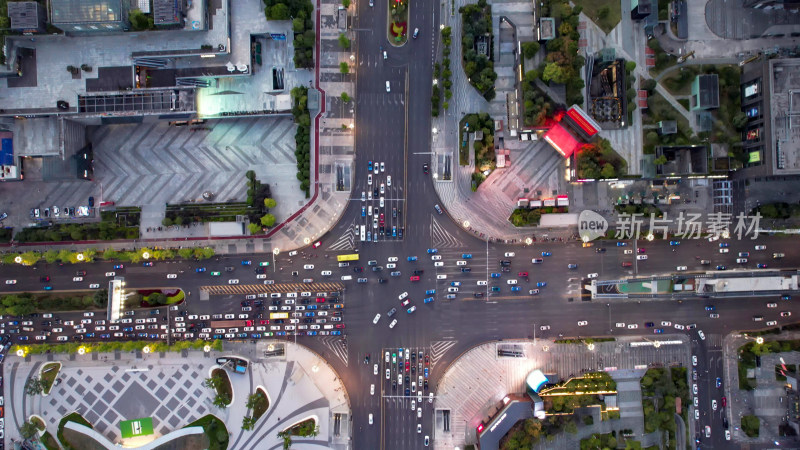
[562,140]
[583,122]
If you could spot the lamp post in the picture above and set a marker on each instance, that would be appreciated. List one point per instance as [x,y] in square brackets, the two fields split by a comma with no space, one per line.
[275,252]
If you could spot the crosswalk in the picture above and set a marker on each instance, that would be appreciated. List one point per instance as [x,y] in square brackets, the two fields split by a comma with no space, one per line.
[229,289]
[336,345]
[347,241]
[441,238]
[439,348]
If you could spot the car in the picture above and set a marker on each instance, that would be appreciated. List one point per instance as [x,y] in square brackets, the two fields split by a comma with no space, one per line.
[760,247]
[723,245]
[377,318]
[511,281]
[547,254]
[727,435]
[641,257]
[234,281]
[583,323]
[708,431]
[412,309]
[721,267]
[425,168]
[694,360]
[785,313]
[110,274]
[724,401]
[620,324]
[641,250]
[172,275]
[118,266]
[416,33]
[772,323]
[666,323]
[714,405]
[495,275]
[592,275]
[11,281]
[713,316]
[438,209]
[389,183]
[627,264]
[572,266]
[761,266]
[694,388]
[533,292]
[427,441]
[674,243]
[696,414]
[741,260]
[627,252]
[649,324]
[681,268]
[633,326]
[724,250]
[414,278]
[394,322]
[786,297]
[541,284]
[388,86]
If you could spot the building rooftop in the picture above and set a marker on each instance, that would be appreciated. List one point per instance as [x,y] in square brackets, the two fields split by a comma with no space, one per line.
[23,15]
[785,113]
[166,12]
[706,91]
[83,11]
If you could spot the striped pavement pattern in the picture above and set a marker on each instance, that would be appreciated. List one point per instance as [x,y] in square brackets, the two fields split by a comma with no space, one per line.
[229,289]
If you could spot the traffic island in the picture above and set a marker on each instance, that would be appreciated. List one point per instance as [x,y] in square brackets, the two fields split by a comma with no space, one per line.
[397,22]
[48,375]
[221,384]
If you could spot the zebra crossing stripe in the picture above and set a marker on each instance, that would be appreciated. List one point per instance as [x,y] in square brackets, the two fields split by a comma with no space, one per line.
[441,238]
[438,349]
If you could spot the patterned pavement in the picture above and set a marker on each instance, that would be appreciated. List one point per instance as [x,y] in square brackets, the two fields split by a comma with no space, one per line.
[230,289]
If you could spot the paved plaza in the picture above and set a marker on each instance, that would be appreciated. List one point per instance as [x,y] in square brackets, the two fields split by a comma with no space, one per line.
[111,387]
[479,379]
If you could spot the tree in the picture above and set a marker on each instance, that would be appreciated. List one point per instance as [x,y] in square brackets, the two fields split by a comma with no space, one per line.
[345,97]
[660,161]
[648,85]
[166,221]
[529,49]
[248,423]
[278,11]
[346,3]
[221,401]
[344,68]
[630,66]
[268,220]
[156,298]
[139,20]
[739,120]
[554,72]
[185,253]
[28,430]
[343,41]
[570,427]
[100,298]
[34,386]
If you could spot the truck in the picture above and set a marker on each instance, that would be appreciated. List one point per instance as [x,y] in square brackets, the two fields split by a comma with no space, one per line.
[231,323]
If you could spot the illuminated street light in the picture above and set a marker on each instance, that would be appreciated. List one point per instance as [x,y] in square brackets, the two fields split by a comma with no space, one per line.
[528,241]
[18,260]
[726,234]
[352,125]
[466,224]
[306,241]
[81,350]
[146,255]
[80,257]
[276,251]
[650,237]
[435,81]
[435,130]
[146,349]
[759,340]
[586,239]
[21,353]
[315,368]
[206,348]
[441,26]
[590,347]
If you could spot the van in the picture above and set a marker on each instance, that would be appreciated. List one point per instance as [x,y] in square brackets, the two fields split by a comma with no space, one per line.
[347,277]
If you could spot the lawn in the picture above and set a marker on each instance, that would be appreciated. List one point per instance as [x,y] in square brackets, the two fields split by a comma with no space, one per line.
[72,417]
[225,388]
[49,441]
[215,431]
[261,405]
[49,374]
[605,13]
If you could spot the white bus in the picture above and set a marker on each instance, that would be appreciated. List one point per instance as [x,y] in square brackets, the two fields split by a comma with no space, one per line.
[363,233]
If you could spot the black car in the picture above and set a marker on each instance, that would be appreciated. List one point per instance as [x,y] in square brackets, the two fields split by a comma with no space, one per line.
[246,303]
[649,324]
[391,312]
[466,269]
[229,269]
[44,279]
[377,268]
[375,193]
[394,385]
[478,294]
[600,250]
[305,301]
[381,280]
[358,269]
[91,202]
[425,168]
[261,270]
[276,302]
[408,391]
[426,385]
[419,272]
[505,262]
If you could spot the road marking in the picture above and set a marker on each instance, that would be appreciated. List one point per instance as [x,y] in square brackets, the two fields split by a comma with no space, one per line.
[230,289]
[336,345]
[347,240]
[438,349]
[441,238]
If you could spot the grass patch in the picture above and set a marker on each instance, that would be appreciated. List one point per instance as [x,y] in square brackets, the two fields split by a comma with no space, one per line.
[127,346]
[26,303]
[262,404]
[215,431]
[49,441]
[685,103]
[605,13]
[476,31]
[751,425]
[526,217]
[224,388]
[72,417]
[49,373]
[307,427]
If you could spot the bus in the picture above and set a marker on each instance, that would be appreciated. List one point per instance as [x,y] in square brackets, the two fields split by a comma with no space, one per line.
[279,315]
[353,257]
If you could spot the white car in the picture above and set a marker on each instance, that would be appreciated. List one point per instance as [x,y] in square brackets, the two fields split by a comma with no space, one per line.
[666,323]
[620,324]
[741,260]
[11,281]
[402,296]
[394,322]
[679,326]
[438,264]
[482,283]
[375,369]
[377,318]
[723,250]
[592,275]
[383,189]
[370,418]
[714,405]
[261,276]
[583,323]
[681,268]
[694,360]
[233,281]
[94,286]
[77,278]
[696,414]
[694,389]
[436,258]
[544,327]
[172,275]
[633,326]
[88,314]
[641,257]
[326,273]
[363,196]
[371,389]
[382,201]
[441,277]
[701,334]
[383,167]
[369,179]
[461,263]
[511,281]
[509,254]
[727,435]
[772,323]
[308,267]
[393,259]
[388,180]
[761,247]
[110,274]
[388,87]
[772,305]
[628,252]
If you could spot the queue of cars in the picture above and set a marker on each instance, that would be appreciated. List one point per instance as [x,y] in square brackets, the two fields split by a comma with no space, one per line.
[377,216]
[408,372]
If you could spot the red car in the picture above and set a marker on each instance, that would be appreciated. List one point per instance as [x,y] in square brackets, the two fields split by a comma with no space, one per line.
[320,299]
[317,244]
[523,274]
[414,278]
[263,322]
[381,220]
[248,323]
[724,401]
[641,250]
[627,264]
[406,302]
[408,366]
[339,325]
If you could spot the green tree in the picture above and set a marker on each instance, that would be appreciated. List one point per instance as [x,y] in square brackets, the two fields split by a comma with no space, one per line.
[298,25]
[344,68]
[28,430]
[252,400]
[278,11]
[608,171]
[34,386]
[529,49]
[156,298]
[346,3]
[185,253]
[254,228]
[345,97]
[50,256]
[248,423]
[139,20]
[343,41]
[661,160]
[221,401]
[739,120]
[100,298]
[268,220]
[166,221]
[630,66]
[554,72]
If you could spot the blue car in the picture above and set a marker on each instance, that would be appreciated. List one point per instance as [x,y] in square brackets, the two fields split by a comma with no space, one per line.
[761,266]
[721,267]
[719,381]
[256,336]
[658,331]
[13,322]
[466,255]
[127,329]
[412,258]
[514,288]
[495,289]
[280,333]
[247,262]
[142,335]
[428,299]
[495,275]
[89,335]
[465,270]
[148,264]
[430,292]
[369,166]
[621,244]
[541,284]
[118,266]
[23,338]
[242,335]
[363,211]
[153,336]
[710,308]
[400,233]
[432,251]
[218,336]
[336,333]
[426,372]
[547,254]
[674,242]
[723,245]
[311,307]
[48,288]
[105,336]
[312,333]
[309,314]
[455,283]
[200,269]
[394,231]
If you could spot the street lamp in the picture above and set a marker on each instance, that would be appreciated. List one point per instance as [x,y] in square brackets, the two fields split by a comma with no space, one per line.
[466,224]
[275,252]
[146,255]
[81,350]
[306,241]
[650,237]
[528,241]
[146,349]
[441,26]
[18,260]
[80,257]
[590,347]
[435,81]
[21,353]
[206,348]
